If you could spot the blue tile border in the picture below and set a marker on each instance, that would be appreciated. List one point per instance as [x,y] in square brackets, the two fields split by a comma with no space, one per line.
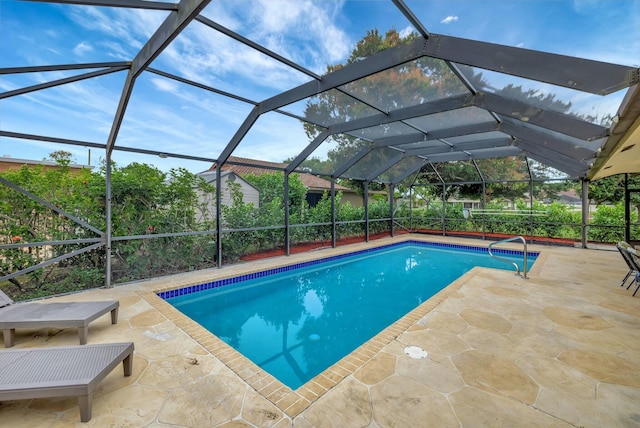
[254,275]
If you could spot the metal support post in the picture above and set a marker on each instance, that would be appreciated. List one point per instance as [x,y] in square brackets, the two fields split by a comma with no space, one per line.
[285,198]
[218,215]
[366,211]
[483,204]
[585,211]
[444,209]
[108,229]
[333,213]
[391,208]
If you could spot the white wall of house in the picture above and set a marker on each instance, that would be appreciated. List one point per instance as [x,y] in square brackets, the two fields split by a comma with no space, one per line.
[249,193]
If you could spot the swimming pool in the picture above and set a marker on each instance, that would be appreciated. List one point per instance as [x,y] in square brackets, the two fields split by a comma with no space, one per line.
[295,321]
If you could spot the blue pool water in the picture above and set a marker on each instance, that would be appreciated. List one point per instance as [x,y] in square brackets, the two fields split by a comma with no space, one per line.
[295,322]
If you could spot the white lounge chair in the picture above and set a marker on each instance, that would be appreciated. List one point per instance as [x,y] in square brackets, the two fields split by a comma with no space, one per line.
[61,371]
[52,314]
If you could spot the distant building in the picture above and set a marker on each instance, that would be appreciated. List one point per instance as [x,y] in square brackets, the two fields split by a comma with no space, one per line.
[249,193]
[7,163]
[466,203]
[570,197]
[315,185]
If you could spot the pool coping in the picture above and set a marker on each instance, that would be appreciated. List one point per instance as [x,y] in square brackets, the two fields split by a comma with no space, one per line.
[294,402]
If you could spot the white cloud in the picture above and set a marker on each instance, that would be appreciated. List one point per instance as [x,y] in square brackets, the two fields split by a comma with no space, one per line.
[114,50]
[406,31]
[206,56]
[82,48]
[178,117]
[165,85]
[303,31]
[449,19]
[128,28]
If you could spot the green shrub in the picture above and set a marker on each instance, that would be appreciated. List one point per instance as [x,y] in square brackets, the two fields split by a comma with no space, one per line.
[607,223]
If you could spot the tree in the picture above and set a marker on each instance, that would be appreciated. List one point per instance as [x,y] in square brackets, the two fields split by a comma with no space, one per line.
[312,164]
[610,190]
[61,157]
[144,201]
[413,83]
[271,187]
[24,220]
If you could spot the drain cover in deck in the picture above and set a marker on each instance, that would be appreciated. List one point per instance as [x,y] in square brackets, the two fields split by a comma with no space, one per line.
[415,352]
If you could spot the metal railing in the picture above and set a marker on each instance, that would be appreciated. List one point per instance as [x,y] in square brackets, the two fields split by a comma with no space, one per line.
[524,257]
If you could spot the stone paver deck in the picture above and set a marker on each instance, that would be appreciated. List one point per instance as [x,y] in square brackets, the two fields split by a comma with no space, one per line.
[559,349]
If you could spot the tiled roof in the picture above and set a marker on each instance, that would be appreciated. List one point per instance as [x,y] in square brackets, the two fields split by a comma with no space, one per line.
[310,181]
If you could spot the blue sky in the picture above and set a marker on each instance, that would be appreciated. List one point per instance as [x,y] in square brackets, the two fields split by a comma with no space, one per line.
[168,116]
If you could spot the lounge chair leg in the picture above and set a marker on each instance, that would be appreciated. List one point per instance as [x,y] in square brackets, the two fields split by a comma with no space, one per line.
[83,332]
[114,316]
[84,402]
[9,337]
[127,364]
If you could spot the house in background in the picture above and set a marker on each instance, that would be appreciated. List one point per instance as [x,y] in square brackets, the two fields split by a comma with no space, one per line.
[570,197]
[469,204]
[249,193]
[7,163]
[316,186]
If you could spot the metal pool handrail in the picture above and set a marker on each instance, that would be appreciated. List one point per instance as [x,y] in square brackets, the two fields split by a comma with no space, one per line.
[524,257]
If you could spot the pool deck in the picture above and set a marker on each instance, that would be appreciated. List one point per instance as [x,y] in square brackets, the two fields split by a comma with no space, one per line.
[561,348]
